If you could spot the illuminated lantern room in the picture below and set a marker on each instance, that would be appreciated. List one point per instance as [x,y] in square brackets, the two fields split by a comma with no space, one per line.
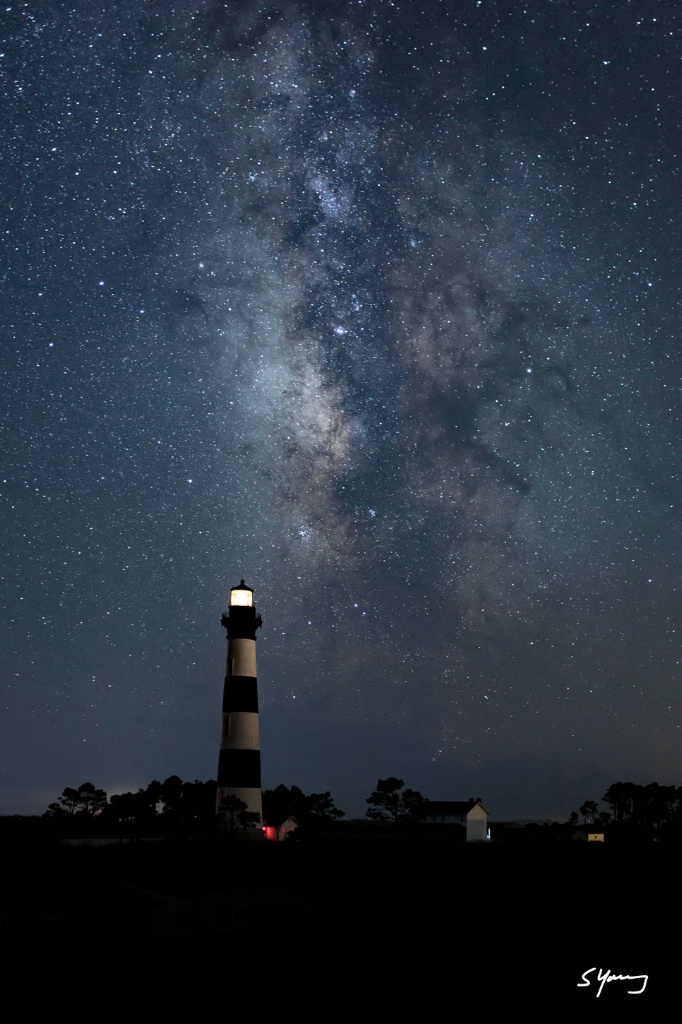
[241,596]
[241,618]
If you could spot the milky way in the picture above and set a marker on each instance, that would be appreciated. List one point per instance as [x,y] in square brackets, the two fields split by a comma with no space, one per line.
[375,305]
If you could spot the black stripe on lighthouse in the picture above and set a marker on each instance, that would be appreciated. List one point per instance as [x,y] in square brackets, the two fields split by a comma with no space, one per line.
[240,694]
[240,769]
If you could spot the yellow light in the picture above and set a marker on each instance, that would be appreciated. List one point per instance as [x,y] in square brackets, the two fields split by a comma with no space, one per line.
[241,596]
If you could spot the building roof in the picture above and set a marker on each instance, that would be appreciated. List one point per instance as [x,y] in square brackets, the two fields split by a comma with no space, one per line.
[459,807]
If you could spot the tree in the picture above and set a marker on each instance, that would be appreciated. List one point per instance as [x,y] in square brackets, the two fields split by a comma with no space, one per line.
[620,796]
[69,800]
[388,803]
[185,805]
[589,810]
[656,804]
[170,795]
[92,800]
[85,800]
[55,810]
[135,810]
[320,807]
[197,803]
[643,809]
[284,802]
[235,816]
[291,802]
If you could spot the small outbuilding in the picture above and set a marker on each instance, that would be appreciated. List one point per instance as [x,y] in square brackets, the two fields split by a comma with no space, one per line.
[276,831]
[589,833]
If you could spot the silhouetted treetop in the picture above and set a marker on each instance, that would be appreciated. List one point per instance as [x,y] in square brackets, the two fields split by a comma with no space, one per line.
[291,802]
[389,803]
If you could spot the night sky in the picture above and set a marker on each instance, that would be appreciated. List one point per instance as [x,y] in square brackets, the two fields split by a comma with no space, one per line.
[376,305]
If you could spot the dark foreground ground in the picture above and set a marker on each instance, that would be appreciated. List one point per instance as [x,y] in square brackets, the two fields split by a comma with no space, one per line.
[507,920]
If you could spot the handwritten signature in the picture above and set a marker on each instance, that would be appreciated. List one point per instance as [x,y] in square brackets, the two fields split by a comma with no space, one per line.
[604,976]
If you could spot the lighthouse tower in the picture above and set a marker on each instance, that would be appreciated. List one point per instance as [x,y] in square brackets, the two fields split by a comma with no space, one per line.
[239,761]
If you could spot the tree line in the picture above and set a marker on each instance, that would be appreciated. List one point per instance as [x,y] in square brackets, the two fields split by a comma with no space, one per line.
[632,807]
[172,803]
[176,804]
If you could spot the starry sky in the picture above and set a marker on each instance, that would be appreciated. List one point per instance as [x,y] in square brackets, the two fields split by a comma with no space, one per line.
[374,303]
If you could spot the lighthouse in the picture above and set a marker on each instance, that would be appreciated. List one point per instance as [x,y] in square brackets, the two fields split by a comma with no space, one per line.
[239,760]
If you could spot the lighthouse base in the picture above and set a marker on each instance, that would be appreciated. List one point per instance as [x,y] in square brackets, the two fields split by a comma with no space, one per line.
[240,809]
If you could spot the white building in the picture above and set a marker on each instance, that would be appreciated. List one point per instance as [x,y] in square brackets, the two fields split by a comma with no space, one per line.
[471,813]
